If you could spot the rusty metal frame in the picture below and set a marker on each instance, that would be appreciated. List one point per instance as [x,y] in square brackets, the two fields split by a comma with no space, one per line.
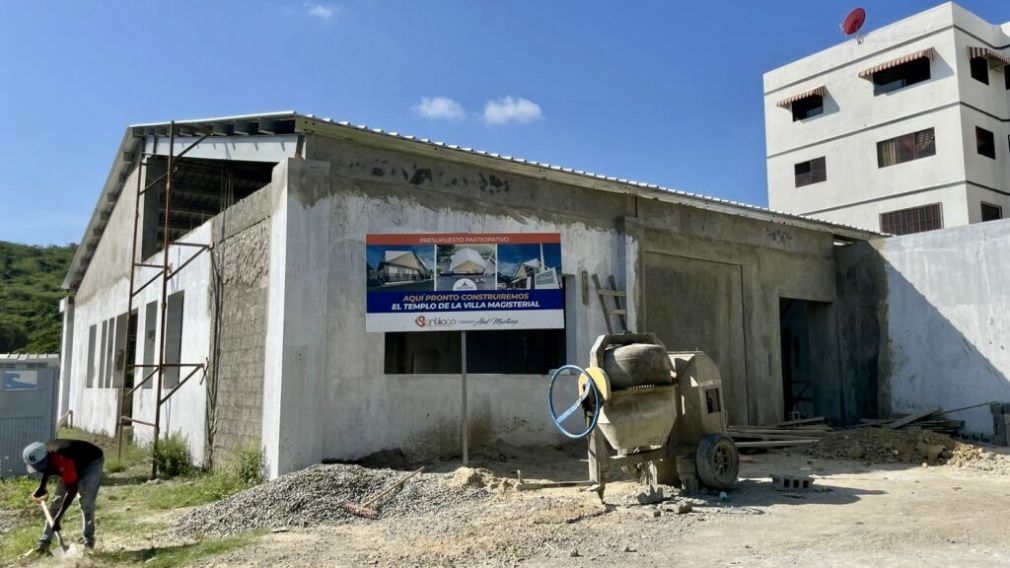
[165,274]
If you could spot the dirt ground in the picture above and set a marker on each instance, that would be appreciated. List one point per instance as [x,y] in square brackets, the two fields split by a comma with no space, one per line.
[855,515]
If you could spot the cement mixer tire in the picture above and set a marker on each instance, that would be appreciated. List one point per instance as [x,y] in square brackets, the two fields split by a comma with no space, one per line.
[718,461]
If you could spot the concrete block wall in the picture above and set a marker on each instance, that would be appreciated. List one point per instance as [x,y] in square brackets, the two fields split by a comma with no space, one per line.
[241,241]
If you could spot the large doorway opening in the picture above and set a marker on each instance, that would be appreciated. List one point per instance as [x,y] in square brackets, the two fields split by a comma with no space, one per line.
[809,363]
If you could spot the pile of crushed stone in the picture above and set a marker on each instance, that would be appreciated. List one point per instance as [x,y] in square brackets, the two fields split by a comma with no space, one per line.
[878,445]
[316,495]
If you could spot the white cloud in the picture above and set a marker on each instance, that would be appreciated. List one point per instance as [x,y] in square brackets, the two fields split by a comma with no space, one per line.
[439,108]
[321,11]
[511,109]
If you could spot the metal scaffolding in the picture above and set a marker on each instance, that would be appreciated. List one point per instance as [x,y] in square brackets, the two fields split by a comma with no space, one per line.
[165,273]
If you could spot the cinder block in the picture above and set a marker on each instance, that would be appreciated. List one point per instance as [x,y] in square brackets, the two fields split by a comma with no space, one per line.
[784,482]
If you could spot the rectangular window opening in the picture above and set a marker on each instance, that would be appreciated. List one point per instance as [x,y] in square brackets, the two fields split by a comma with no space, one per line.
[102,353]
[807,107]
[509,352]
[912,220]
[980,69]
[812,171]
[1006,76]
[173,339]
[150,344]
[90,371]
[991,212]
[985,142]
[109,352]
[901,76]
[119,352]
[906,148]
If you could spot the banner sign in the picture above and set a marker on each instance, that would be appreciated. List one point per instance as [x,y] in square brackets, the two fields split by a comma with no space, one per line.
[464,281]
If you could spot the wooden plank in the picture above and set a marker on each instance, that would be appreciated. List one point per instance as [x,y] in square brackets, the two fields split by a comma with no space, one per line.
[814,420]
[616,293]
[603,304]
[621,307]
[775,443]
[798,434]
[911,418]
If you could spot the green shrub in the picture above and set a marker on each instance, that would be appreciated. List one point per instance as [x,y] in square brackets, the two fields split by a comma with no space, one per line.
[248,465]
[172,456]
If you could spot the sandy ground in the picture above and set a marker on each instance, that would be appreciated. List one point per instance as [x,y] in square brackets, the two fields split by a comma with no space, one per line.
[855,515]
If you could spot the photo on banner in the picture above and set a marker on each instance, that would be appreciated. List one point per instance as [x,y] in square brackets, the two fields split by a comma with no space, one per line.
[464,281]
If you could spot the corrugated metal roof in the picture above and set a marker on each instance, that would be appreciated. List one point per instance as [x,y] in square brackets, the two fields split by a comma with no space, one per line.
[249,125]
[22,357]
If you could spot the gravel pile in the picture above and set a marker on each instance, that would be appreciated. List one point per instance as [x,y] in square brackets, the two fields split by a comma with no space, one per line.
[316,495]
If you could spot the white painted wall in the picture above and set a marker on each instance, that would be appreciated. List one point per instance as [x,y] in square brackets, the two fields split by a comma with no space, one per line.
[185,411]
[948,293]
[856,190]
[95,408]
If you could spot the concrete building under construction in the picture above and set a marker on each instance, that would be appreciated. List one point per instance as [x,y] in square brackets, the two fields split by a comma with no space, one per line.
[235,313]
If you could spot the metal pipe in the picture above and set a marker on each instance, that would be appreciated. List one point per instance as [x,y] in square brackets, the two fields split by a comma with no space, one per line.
[172,273]
[129,309]
[178,386]
[137,421]
[146,284]
[143,382]
[166,239]
[466,413]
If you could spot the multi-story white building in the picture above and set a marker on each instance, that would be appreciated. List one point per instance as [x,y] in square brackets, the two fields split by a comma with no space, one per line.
[905,130]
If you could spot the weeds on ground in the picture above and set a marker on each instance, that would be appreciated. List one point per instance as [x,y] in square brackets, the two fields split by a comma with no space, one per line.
[242,469]
[177,555]
[196,490]
[114,465]
[18,541]
[14,494]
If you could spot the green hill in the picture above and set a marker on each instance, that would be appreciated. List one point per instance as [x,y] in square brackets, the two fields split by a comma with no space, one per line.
[30,294]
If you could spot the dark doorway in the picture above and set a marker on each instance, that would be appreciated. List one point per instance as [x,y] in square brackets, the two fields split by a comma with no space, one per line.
[809,367]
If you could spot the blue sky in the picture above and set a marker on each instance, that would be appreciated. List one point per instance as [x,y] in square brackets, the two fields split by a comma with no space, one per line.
[658,91]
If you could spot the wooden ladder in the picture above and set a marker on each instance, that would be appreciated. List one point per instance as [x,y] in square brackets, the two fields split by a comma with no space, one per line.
[620,302]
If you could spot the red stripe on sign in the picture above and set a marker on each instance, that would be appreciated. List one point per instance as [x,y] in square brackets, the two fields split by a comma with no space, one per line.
[462,238]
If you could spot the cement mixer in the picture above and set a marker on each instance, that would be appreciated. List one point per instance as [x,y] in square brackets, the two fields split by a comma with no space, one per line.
[656,415]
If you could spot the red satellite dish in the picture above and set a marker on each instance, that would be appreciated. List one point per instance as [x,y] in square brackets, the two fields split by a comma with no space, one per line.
[854,21]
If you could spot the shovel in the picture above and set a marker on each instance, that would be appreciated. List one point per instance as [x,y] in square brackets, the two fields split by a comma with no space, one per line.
[62,551]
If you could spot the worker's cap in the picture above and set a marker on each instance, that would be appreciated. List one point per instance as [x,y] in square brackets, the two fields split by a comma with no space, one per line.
[36,456]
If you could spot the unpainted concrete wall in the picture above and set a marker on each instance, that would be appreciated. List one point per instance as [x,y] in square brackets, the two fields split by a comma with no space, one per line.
[242,256]
[327,205]
[947,335]
[713,282]
[317,312]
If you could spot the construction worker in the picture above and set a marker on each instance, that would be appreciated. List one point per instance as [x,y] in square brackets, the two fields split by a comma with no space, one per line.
[77,465]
